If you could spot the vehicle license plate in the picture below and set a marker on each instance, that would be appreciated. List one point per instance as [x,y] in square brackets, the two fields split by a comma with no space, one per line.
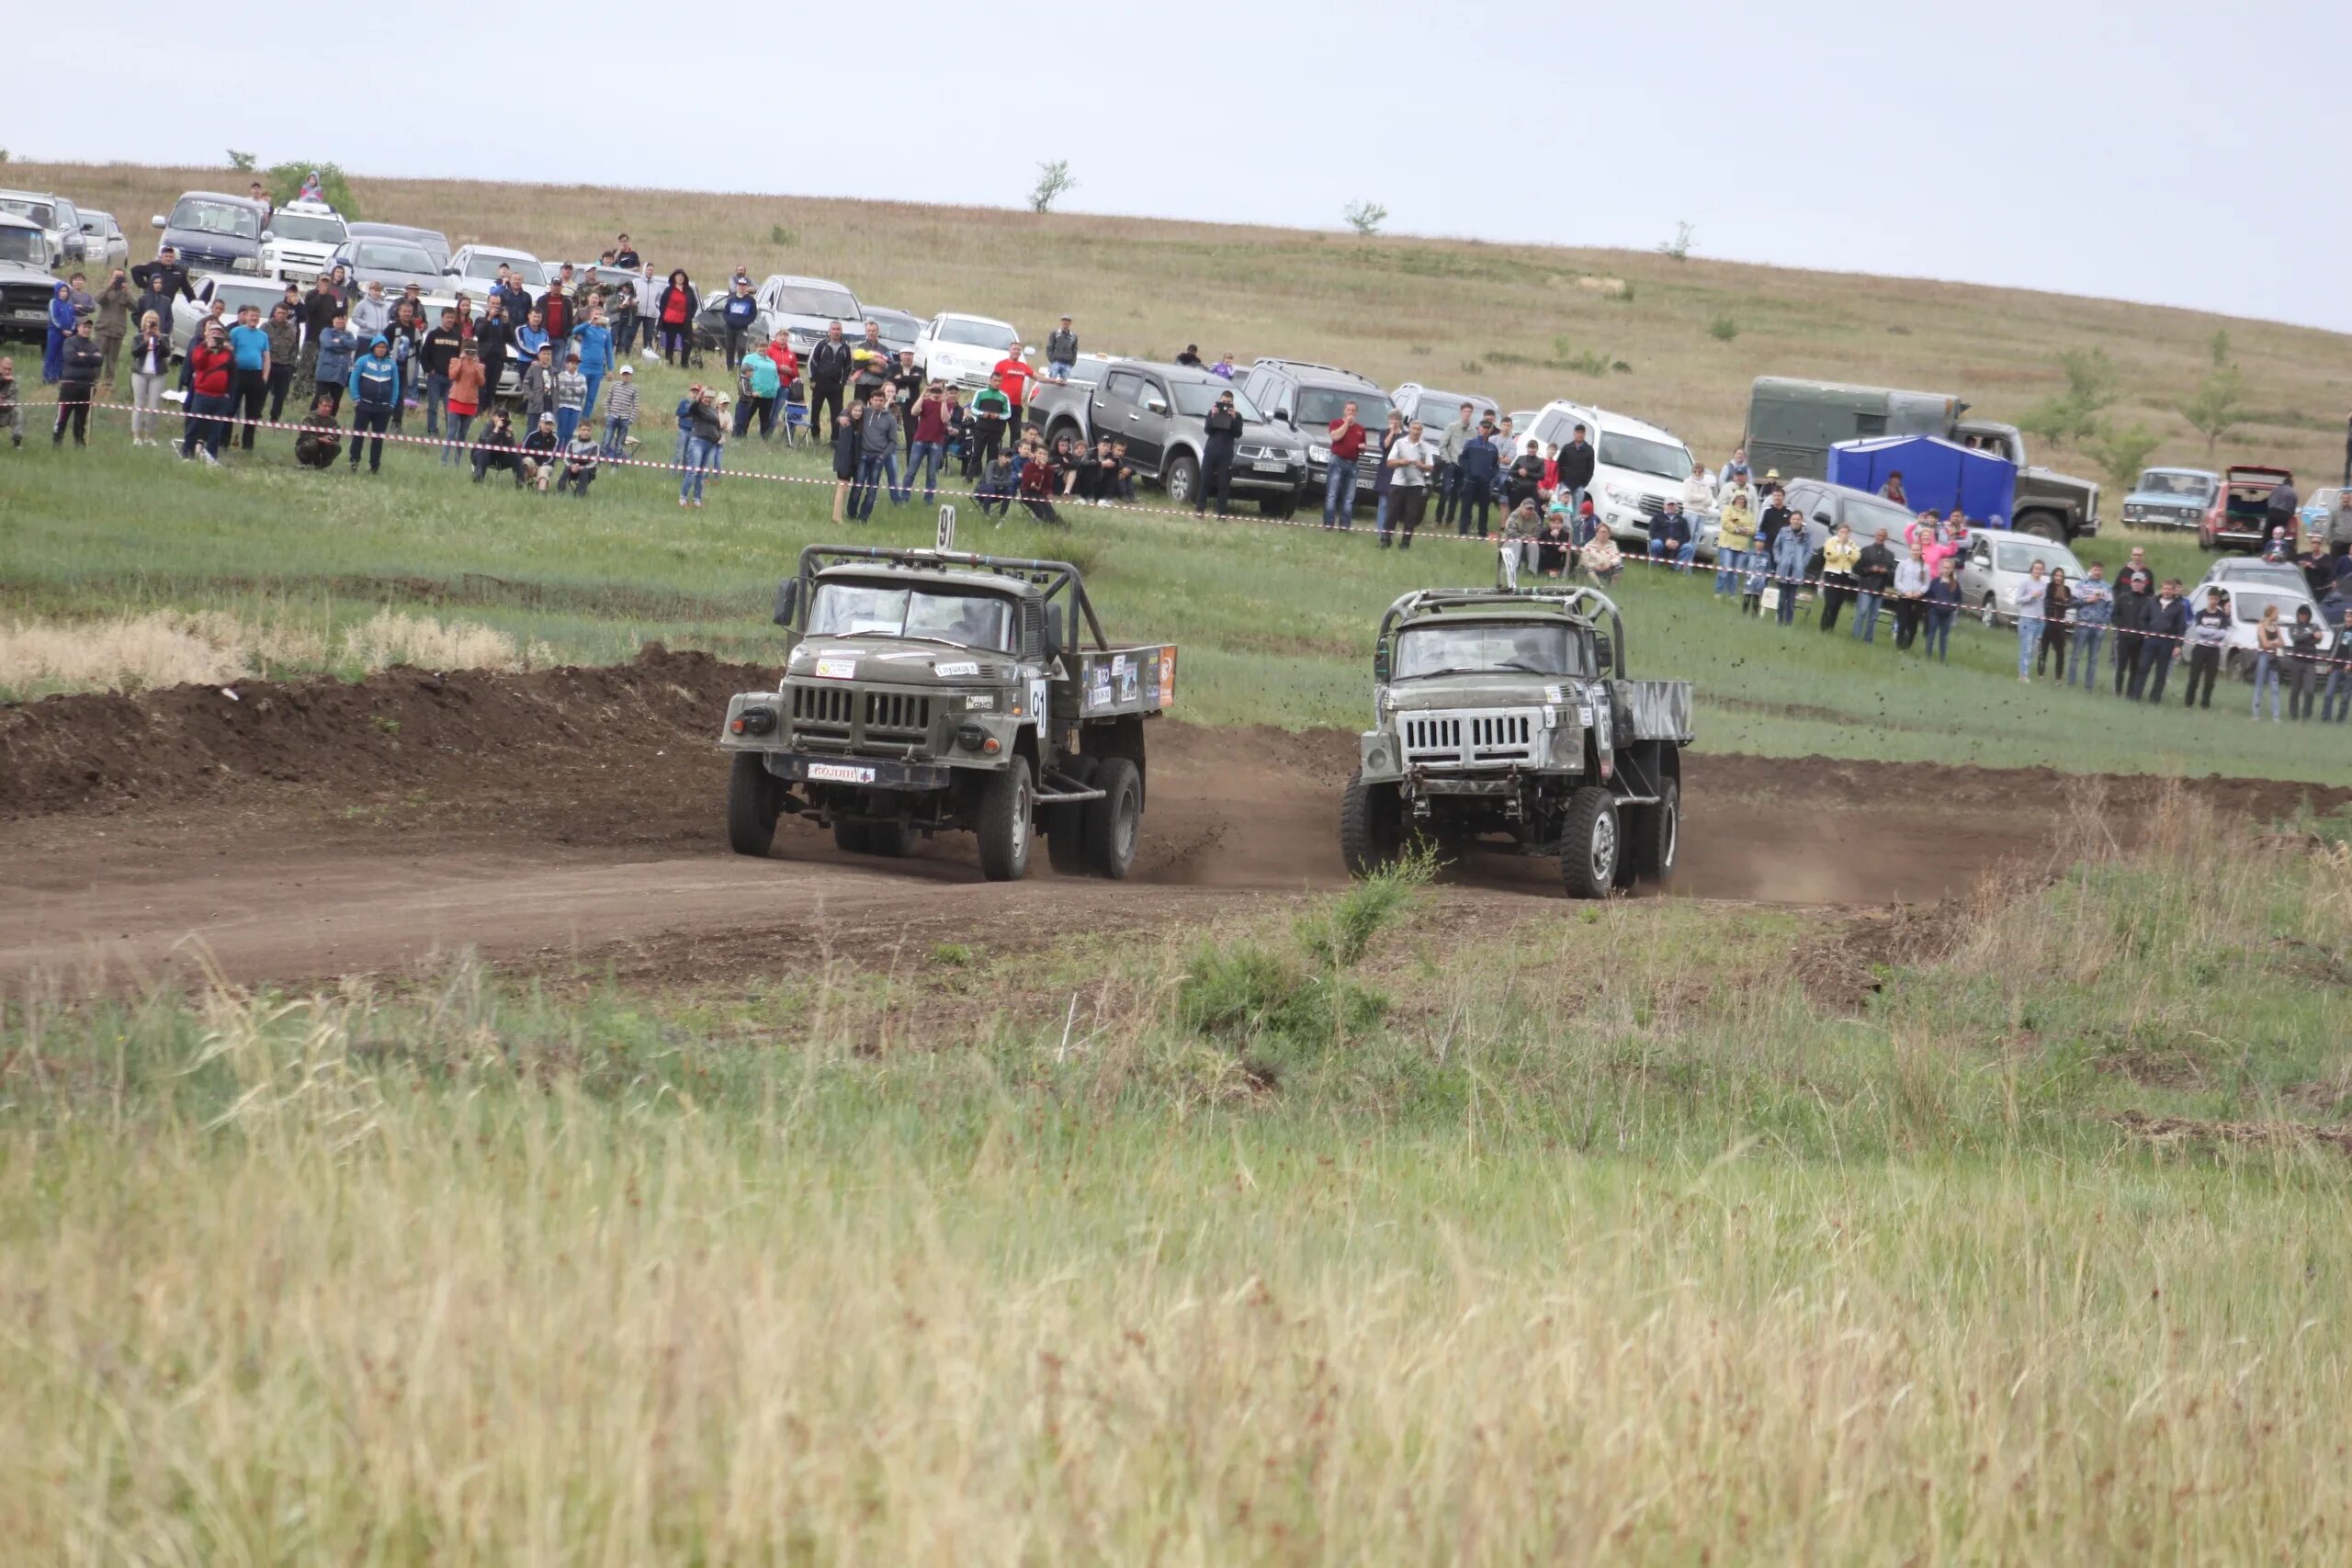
[839,772]
[1265,466]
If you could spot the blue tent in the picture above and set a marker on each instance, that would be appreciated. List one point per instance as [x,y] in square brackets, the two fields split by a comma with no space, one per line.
[1935,473]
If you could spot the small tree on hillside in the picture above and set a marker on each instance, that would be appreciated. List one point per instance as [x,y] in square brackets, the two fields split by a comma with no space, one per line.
[285,180]
[1366,217]
[2120,451]
[241,162]
[2219,347]
[2072,415]
[1678,247]
[2218,407]
[1053,181]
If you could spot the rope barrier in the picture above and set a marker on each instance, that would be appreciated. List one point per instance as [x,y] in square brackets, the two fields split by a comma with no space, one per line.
[232,422]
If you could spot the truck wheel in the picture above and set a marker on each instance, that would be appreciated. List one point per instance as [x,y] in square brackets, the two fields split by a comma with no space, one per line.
[1372,826]
[1007,803]
[1184,478]
[1654,836]
[854,838]
[1590,844]
[1065,826]
[2042,524]
[1114,823]
[751,804]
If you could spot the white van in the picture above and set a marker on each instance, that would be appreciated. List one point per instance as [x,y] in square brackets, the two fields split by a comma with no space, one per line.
[1638,468]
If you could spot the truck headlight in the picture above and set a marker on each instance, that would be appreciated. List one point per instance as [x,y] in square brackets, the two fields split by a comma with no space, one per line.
[1376,756]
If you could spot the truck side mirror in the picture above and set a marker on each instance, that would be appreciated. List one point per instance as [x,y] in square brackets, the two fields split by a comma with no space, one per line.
[1604,654]
[787,600]
[1053,631]
[1380,665]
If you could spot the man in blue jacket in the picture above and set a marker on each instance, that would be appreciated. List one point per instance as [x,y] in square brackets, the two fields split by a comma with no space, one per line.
[337,346]
[1475,468]
[592,340]
[1670,539]
[375,393]
[741,310]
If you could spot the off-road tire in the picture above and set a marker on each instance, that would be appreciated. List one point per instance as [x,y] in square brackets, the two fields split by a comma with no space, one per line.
[2041,526]
[1653,839]
[1114,823]
[852,838]
[1008,802]
[1183,481]
[1371,828]
[1591,844]
[750,805]
[1065,826]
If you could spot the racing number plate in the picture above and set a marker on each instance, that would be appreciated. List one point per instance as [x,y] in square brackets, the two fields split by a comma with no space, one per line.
[839,772]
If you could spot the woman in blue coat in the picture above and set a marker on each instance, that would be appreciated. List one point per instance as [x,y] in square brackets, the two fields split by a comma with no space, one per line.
[62,316]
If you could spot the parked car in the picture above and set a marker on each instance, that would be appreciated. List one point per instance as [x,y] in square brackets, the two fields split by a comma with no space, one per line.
[1158,411]
[104,243]
[56,216]
[2248,598]
[899,329]
[2237,570]
[301,238]
[475,267]
[2239,517]
[2170,498]
[215,233]
[1998,560]
[710,320]
[395,264]
[187,315]
[433,243]
[2326,517]
[802,307]
[1638,467]
[26,285]
[961,350]
[1819,507]
[1436,410]
[1307,397]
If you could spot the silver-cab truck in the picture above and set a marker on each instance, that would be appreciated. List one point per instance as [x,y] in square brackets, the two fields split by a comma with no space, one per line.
[1505,714]
[926,690]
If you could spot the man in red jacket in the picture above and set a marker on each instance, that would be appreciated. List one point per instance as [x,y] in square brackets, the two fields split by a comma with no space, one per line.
[210,366]
[1339,475]
[1015,387]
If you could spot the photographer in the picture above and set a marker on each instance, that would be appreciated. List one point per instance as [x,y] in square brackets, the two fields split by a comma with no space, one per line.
[1222,429]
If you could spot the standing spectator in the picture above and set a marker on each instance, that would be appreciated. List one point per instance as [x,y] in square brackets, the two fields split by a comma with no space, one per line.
[1013,375]
[374,394]
[845,448]
[2094,607]
[1775,516]
[624,253]
[2279,514]
[495,449]
[871,362]
[1734,539]
[736,316]
[532,336]
[1734,469]
[2306,639]
[592,340]
[1791,551]
[906,390]
[2057,616]
[705,432]
[649,289]
[675,311]
[61,327]
[320,440]
[1525,482]
[2208,633]
[2026,599]
[285,352]
[2335,609]
[436,358]
[164,279]
[331,365]
[2269,649]
[557,310]
[1473,475]
[79,364]
[991,412]
[1392,433]
[1875,576]
[251,389]
[1575,466]
[1942,605]
[1221,434]
[1407,464]
[1892,489]
[830,363]
[150,364]
[493,337]
[373,314]
[1192,355]
[761,389]
[1460,434]
[1840,555]
[877,448]
[2161,631]
[927,453]
[1345,438]
[1061,351]
[2135,592]
[1700,492]
[620,413]
[621,309]
[570,400]
[539,388]
[1911,583]
[462,399]
[114,302]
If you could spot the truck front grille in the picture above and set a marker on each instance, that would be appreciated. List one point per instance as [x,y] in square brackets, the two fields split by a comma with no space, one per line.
[1478,739]
[837,717]
[825,706]
[889,710]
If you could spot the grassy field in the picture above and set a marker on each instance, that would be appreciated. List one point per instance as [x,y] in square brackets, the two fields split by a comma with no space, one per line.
[1291,1245]
[266,569]
[1515,321]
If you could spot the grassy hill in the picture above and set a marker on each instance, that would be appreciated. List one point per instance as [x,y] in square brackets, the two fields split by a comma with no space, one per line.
[1515,322]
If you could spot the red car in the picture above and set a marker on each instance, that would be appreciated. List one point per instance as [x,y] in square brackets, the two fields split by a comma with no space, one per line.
[2239,518]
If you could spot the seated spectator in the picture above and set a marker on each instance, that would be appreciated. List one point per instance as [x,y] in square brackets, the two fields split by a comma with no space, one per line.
[1601,559]
[998,484]
[321,441]
[578,464]
[494,449]
[539,454]
[1555,547]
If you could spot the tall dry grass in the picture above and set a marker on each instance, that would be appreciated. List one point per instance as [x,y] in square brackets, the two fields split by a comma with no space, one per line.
[170,648]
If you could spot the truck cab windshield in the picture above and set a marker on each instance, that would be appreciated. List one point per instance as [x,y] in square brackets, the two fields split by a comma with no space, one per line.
[1490,650]
[857,609]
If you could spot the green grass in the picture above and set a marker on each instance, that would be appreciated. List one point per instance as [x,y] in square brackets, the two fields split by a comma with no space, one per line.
[2036,1252]
[1275,621]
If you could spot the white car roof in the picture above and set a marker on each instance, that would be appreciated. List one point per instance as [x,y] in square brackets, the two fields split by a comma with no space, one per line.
[984,320]
[1606,419]
[498,251]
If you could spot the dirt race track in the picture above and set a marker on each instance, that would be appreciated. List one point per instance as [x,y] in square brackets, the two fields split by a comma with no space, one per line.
[571,819]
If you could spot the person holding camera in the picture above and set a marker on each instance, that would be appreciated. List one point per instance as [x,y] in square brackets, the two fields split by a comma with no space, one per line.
[1222,429]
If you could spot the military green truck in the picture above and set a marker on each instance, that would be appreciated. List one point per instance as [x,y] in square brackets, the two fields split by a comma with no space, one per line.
[1792,425]
[1506,714]
[926,690]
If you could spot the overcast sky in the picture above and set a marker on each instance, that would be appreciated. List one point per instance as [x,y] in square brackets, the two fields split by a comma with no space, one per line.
[2188,155]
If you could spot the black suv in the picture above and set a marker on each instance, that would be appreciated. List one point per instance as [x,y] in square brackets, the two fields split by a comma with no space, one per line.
[1307,397]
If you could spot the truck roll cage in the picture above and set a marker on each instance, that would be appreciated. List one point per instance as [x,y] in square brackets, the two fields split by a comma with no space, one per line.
[1588,603]
[1054,577]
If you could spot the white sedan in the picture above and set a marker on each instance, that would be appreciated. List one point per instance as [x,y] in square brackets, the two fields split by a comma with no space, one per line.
[1997,563]
[961,350]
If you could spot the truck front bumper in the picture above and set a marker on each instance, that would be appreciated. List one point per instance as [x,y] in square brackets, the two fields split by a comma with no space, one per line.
[858,772]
